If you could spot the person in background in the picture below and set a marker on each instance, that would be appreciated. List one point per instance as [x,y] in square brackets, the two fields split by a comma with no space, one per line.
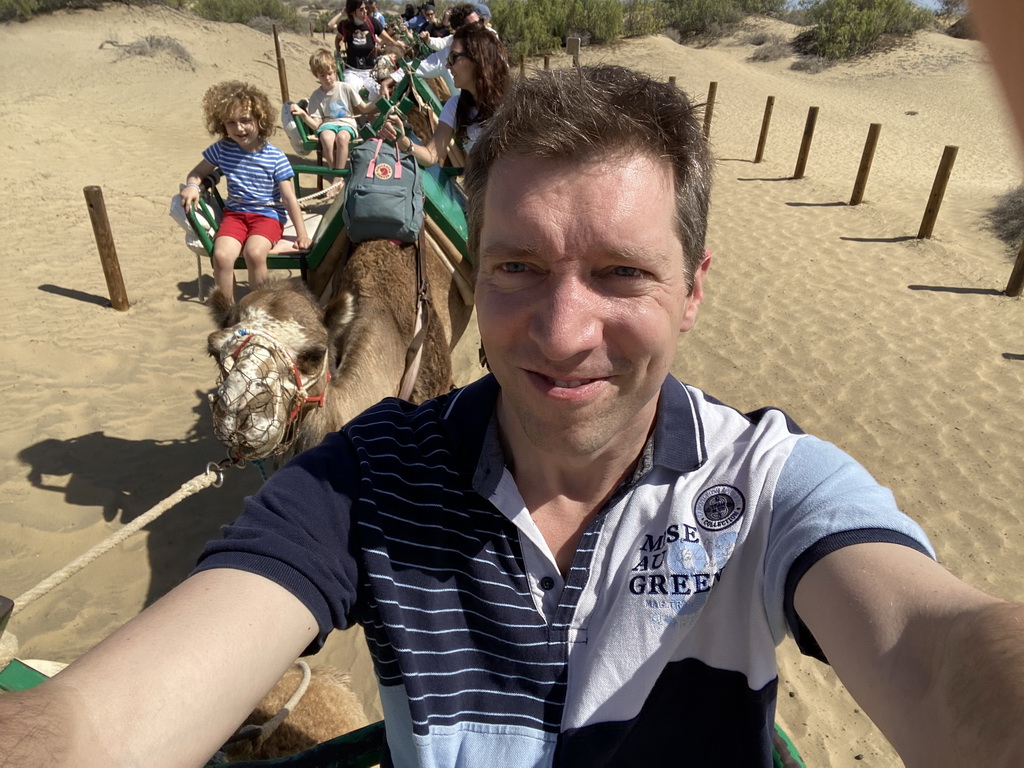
[372,10]
[433,27]
[332,109]
[260,193]
[479,65]
[436,64]
[358,38]
[417,22]
[485,15]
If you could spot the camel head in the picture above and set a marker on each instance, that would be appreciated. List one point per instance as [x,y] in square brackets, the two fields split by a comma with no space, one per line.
[273,352]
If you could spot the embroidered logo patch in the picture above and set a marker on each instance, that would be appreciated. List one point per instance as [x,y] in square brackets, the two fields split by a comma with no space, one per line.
[718,507]
[383,171]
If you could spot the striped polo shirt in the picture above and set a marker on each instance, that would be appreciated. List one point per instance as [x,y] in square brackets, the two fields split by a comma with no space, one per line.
[659,643]
[252,177]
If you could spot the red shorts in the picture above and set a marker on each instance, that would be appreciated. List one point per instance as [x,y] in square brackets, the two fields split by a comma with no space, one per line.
[242,226]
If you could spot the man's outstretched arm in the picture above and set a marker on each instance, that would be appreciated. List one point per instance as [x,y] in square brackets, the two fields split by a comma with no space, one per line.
[936,664]
[168,687]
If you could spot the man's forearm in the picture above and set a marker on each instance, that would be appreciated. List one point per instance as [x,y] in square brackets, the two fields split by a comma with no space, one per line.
[982,678]
[36,728]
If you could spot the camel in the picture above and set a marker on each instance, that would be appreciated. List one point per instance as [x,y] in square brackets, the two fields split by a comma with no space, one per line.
[291,372]
[328,708]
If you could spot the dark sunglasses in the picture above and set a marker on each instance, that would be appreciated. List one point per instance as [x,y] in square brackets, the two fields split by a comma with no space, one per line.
[454,56]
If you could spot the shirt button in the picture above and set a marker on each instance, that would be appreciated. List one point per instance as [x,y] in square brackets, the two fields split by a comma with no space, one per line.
[547,583]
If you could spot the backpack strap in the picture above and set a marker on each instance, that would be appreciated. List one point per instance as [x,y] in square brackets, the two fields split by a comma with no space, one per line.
[372,165]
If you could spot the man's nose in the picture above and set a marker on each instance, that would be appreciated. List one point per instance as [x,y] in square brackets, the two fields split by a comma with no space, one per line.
[566,320]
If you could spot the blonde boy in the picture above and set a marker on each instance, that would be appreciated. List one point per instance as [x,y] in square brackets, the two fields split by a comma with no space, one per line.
[332,109]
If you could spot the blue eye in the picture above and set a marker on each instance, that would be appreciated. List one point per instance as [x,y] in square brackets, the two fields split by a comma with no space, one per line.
[628,272]
[513,266]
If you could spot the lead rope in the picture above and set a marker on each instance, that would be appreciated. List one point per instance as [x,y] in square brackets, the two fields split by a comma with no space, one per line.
[214,475]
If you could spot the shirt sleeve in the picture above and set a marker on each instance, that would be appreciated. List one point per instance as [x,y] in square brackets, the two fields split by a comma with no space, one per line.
[282,168]
[296,532]
[824,501]
[448,112]
[212,154]
[433,65]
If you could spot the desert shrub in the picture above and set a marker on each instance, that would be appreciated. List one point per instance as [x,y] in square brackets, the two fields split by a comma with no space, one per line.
[1006,217]
[152,45]
[772,49]
[795,16]
[598,21]
[773,8]
[812,65]
[951,8]
[529,26]
[703,18]
[242,11]
[642,17]
[847,28]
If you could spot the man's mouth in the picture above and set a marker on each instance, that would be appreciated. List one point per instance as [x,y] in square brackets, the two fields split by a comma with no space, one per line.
[570,384]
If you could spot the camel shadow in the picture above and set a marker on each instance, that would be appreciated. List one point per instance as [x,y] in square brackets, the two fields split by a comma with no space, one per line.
[125,478]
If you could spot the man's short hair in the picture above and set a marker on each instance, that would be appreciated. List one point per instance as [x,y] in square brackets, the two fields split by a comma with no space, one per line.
[593,113]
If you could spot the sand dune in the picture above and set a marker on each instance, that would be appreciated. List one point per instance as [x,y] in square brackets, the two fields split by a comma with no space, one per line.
[901,351]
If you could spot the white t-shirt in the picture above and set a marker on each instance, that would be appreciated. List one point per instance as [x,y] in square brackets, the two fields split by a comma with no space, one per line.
[448,118]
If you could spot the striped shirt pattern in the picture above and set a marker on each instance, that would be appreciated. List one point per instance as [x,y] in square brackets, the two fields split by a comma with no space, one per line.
[252,177]
[661,642]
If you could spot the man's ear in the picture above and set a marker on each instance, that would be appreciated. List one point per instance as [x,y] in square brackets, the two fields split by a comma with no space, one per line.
[696,294]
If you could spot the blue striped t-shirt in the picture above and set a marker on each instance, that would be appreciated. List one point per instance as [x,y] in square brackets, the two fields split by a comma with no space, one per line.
[253,177]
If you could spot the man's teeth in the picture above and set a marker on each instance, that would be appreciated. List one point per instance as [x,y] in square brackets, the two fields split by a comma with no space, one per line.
[571,384]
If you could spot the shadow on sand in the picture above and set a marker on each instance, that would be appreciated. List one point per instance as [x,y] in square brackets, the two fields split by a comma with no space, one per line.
[128,477]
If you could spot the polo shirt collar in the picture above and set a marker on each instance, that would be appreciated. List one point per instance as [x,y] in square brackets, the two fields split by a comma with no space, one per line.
[677,442]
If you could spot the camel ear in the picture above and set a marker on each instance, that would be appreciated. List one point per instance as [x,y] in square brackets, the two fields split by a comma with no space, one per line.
[221,309]
[339,314]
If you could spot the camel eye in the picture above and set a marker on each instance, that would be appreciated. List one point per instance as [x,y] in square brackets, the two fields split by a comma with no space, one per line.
[309,360]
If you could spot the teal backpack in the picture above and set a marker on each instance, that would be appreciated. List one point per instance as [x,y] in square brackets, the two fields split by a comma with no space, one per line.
[383,194]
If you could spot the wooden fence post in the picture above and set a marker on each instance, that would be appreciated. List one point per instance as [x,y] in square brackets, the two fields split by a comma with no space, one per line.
[765,122]
[931,211]
[282,75]
[866,159]
[105,245]
[547,62]
[709,108]
[1016,282]
[672,80]
[522,66]
[805,143]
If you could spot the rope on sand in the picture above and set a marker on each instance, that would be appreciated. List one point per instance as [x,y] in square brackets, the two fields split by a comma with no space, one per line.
[213,475]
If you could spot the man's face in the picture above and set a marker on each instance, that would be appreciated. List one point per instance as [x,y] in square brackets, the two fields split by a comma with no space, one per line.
[581,294]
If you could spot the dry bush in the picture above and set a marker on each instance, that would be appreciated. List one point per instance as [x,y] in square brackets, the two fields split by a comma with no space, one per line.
[152,45]
[1006,217]
[812,65]
[772,51]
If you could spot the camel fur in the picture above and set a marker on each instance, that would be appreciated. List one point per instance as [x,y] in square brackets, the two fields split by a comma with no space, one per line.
[329,708]
[366,331]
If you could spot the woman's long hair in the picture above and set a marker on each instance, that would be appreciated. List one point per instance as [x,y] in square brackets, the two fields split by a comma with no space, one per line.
[491,59]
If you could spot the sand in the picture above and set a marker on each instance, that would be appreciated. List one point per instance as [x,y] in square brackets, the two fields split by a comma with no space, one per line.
[901,351]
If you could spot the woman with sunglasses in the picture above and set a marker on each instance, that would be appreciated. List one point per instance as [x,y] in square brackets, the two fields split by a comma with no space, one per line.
[359,33]
[479,65]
